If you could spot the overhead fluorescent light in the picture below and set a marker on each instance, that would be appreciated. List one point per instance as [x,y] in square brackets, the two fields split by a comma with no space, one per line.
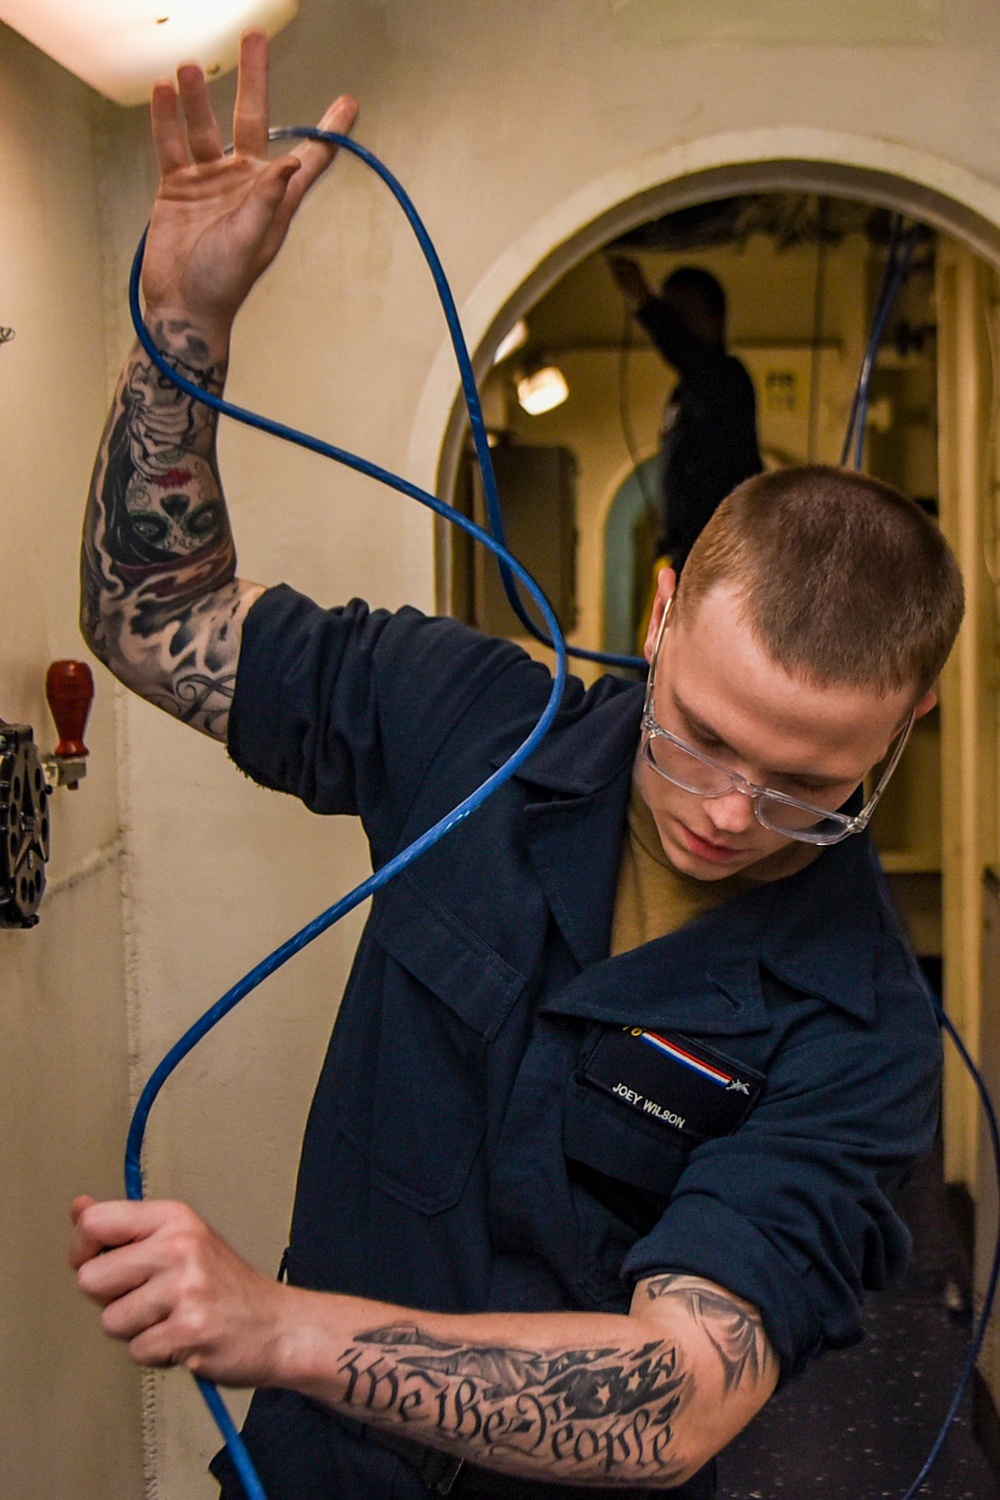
[542,389]
[121,47]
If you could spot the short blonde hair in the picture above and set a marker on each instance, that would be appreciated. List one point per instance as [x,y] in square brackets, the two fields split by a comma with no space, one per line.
[843,579]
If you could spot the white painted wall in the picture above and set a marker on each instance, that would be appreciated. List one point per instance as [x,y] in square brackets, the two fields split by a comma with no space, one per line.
[69,1404]
[512,125]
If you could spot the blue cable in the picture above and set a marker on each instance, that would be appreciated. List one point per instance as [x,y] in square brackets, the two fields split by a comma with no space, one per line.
[242,1461]
[473,406]
[979,1332]
[897,268]
[870,347]
[899,276]
[281,955]
[511,570]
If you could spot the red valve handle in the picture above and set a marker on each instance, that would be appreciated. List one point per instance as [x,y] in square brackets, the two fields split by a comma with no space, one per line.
[69,687]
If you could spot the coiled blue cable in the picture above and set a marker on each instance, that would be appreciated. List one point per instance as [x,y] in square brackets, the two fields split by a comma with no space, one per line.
[511,570]
[514,570]
[473,406]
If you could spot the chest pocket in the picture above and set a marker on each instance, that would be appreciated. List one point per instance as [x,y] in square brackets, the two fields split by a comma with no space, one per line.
[421,1117]
[625,1149]
[622,1171]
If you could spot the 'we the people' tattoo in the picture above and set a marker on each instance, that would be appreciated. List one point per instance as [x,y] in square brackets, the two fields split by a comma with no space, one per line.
[573,1414]
[735,1331]
[157,540]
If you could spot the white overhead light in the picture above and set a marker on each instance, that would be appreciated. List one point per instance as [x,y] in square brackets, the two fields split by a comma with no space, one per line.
[541,389]
[121,47]
[515,338]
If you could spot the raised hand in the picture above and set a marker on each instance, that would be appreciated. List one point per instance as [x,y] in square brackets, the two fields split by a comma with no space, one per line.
[162,607]
[629,279]
[218,221]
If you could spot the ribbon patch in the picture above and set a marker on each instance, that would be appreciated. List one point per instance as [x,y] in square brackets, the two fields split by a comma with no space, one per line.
[677,1083]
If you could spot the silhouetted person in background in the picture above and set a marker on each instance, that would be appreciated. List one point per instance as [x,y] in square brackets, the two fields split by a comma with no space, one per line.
[709,435]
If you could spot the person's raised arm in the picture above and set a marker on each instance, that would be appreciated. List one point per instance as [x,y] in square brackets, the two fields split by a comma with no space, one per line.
[584,1398]
[161,604]
[630,280]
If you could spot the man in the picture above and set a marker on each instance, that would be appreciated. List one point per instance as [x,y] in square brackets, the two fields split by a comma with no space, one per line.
[629,1067]
[709,437]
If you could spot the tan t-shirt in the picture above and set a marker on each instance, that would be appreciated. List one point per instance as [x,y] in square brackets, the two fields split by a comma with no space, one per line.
[652,897]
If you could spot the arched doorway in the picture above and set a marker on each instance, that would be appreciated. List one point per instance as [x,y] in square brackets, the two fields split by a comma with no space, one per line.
[966,211]
[886,174]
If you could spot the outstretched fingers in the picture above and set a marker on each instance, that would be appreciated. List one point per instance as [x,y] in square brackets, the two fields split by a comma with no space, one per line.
[219,220]
[169,140]
[204,137]
[315,156]
[197,137]
[250,116]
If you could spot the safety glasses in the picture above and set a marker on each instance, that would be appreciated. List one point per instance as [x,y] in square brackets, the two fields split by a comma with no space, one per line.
[694,771]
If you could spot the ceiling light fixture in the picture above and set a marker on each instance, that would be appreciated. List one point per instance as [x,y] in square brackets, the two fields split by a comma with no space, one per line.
[121,47]
[541,388]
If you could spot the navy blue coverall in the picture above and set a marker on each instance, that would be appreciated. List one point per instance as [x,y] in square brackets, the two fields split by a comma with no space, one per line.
[458,1155]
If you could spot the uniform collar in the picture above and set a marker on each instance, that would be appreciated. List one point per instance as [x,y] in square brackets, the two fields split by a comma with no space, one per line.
[708,976]
[579,782]
[832,959]
[594,740]
[784,925]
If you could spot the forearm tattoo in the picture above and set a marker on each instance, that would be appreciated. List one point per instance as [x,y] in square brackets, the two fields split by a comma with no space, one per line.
[158,564]
[603,1415]
[734,1330]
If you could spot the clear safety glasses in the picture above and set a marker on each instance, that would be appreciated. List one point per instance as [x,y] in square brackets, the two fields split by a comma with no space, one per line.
[695,772]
